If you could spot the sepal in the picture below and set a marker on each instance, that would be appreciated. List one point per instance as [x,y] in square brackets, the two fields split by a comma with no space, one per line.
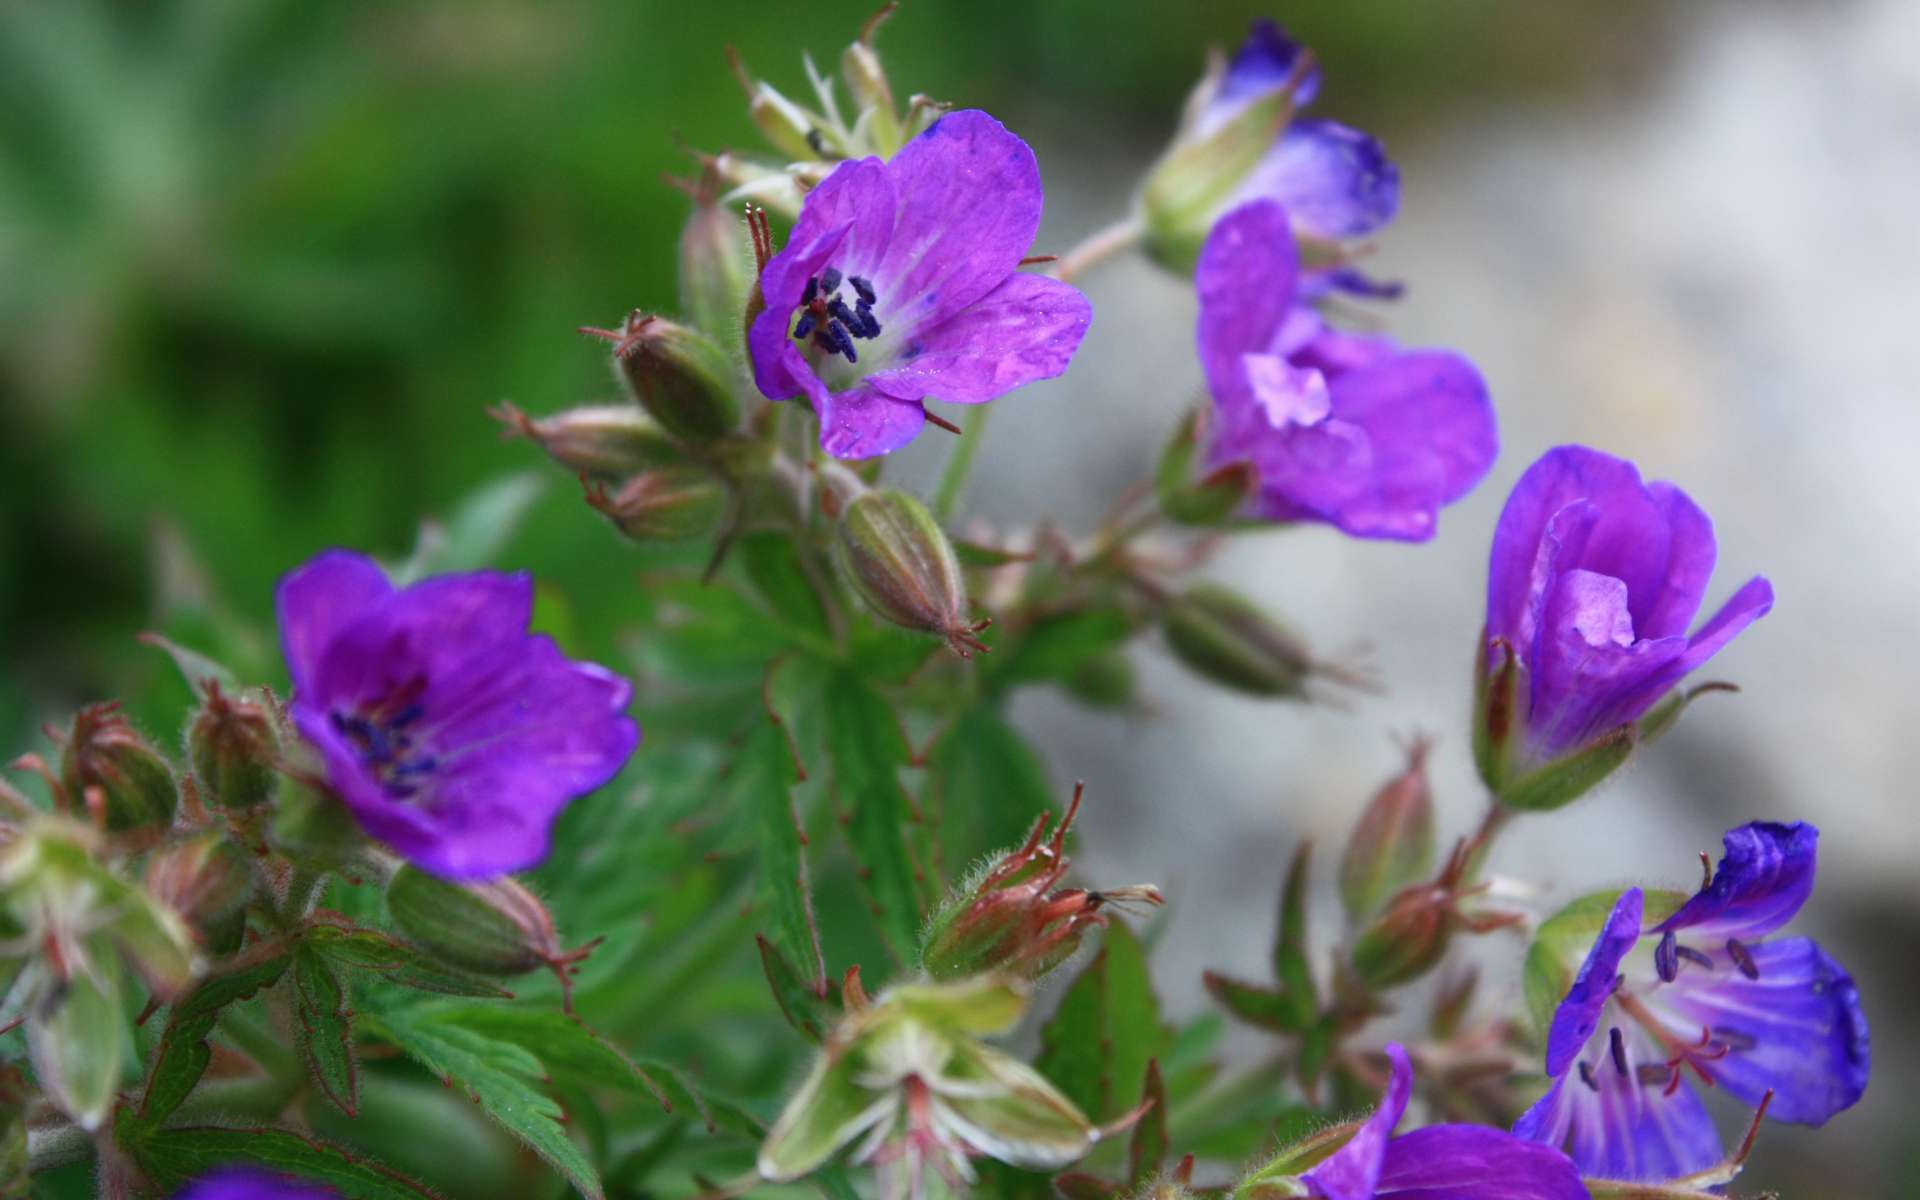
[678,374]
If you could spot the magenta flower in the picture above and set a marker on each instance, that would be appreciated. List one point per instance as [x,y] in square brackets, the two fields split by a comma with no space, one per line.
[900,285]
[250,1183]
[1439,1162]
[1750,1016]
[1594,579]
[1350,430]
[453,734]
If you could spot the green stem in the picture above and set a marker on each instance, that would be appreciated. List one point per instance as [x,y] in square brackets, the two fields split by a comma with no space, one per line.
[1097,247]
[953,476]
[1496,819]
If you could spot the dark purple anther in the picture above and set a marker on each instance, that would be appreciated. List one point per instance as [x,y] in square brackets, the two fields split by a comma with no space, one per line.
[830,280]
[862,289]
[1618,1046]
[838,308]
[1693,956]
[1586,1075]
[811,290]
[803,327]
[1733,1039]
[1742,958]
[1666,960]
[869,324]
[842,341]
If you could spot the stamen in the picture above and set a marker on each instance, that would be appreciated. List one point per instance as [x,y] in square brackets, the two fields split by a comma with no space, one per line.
[1694,956]
[1742,958]
[1618,1046]
[830,280]
[1586,1075]
[862,289]
[1734,1039]
[842,340]
[1653,1074]
[811,290]
[803,326]
[1665,961]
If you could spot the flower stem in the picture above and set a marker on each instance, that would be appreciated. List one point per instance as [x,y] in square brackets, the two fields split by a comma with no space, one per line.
[953,476]
[1097,247]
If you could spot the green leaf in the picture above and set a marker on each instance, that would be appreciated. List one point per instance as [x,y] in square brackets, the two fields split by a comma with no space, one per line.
[989,784]
[181,1056]
[764,777]
[867,750]
[498,1075]
[171,1157]
[324,1030]
[195,668]
[1290,962]
[477,530]
[772,562]
[1106,1030]
[1561,944]
[1149,1144]
[374,952]
[809,1012]
[1054,647]
[1263,1007]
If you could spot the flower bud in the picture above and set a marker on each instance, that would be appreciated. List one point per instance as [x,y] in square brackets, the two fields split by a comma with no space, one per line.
[716,271]
[207,881]
[1223,637]
[679,375]
[1408,937]
[1392,843]
[899,559]
[232,747]
[494,928]
[1009,918]
[865,78]
[604,442]
[788,128]
[1212,498]
[666,504]
[106,762]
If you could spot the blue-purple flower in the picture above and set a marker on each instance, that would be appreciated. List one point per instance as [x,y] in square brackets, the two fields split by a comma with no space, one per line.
[1593,582]
[251,1183]
[453,734]
[1703,997]
[900,284]
[1347,429]
[1439,1162]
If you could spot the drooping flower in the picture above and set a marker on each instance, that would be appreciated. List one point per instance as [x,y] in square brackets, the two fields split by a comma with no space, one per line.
[1347,429]
[900,285]
[250,1183]
[1439,1162]
[1702,993]
[1242,139]
[451,733]
[1593,581]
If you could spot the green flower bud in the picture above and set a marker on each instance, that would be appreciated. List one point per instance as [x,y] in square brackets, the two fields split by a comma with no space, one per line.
[1223,637]
[1392,843]
[1411,934]
[898,558]
[864,76]
[716,268]
[232,746]
[679,375]
[105,762]
[207,880]
[1211,499]
[790,129]
[666,504]
[493,928]
[604,442]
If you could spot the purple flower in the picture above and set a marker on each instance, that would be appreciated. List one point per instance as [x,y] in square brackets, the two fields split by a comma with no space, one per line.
[453,734]
[900,284]
[1342,428]
[1710,999]
[1335,182]
[1594,579]
[249,1183]
[1439,1162]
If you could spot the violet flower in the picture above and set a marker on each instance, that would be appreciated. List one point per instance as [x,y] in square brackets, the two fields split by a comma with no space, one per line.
[1335,182]
[251,1183]
[1701,994]
[900,284]
[1439,1162]
[1594,579]
[1347,429]
[453,734]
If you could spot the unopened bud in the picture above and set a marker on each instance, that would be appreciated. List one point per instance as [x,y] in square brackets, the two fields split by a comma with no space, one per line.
[1407,938]
[1392,843]
[493,928]
[106,763]
[788,128]
[898,558]
[207,881]
[679,375]
[609,441]
[1223,637]
[716,270]
[665,504]
[1212,498]
[232,747]
[867,80]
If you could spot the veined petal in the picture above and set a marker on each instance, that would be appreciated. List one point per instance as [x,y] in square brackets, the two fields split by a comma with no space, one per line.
[1024,330]
[1753,601]
[1335,181]
[1623,1129]
[1579,1014]
[1353,1171]
[1266,60]
[1473,1162]
[319,599]
[1690,554]
[846,222]
[1765,874]
[1796,1029]
[1245,279]
[862,422]
[1589,673]
[969,201]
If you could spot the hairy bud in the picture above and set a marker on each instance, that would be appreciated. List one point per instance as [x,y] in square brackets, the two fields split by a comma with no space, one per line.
[1223,637]
[494,928]
[1392,842]
[117,773]
[716,271]
[206,880]
[1410,935]
[604,442]
[899,559]
[232,746]
[666,504]
[679,375]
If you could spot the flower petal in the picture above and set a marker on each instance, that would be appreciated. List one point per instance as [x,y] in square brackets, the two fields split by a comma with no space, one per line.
[1622,1129]
[1335,181]
[1579,1013]
[1352,1171]
[1796,1029]
[1765,874]
[423,630]
[1473,1162]
[969,198]
[1024,330]
[861,422]
[317,600]
[1266,60]
[1589,674]
[1245,277]
[251,1183]
[1690,553]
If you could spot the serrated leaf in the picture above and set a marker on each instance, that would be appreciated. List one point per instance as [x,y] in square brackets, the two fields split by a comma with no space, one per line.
[811,1013]
[394,961]
[181,1056]
[1055,646]
[171,1157]
[1149,1143]
[989,784]
[498,1075]
[1290,963]
[867,751]
[773,563]
[324,1029]
[1262,1007]
[763,777]
[476,531]
[1106,1030]
[567,1046]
